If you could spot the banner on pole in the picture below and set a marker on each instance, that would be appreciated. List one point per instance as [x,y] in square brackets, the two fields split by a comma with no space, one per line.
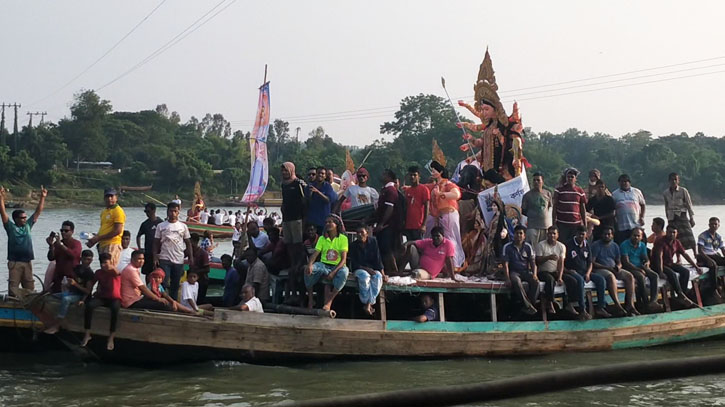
[259,174]
[511,193]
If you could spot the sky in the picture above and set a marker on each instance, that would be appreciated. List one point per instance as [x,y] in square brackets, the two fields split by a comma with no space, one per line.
[346,65]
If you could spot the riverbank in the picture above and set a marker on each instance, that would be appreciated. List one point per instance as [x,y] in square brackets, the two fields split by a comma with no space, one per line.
[67,198]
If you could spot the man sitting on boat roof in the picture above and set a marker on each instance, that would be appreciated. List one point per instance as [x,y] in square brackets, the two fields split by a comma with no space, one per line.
[429,257]
[519,265]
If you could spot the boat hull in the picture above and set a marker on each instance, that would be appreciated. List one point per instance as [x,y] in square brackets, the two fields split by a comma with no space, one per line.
[279,338]
[219,231]
[21,331]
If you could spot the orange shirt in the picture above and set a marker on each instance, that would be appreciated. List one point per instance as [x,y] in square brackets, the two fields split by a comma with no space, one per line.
[440,204]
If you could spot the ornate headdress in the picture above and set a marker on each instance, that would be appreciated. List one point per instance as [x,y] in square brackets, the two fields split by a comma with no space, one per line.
[486,88]
[438,154]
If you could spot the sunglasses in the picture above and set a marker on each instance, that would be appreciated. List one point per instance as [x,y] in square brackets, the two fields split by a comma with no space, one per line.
[65,230]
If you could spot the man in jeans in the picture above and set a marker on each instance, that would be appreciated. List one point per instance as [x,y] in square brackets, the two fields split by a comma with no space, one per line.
[519,266]
[579,261]
[171,242]
[664,249]
[20,243]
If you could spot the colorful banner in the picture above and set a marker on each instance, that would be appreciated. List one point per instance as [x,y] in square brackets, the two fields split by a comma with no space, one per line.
[259,174]
[511,193]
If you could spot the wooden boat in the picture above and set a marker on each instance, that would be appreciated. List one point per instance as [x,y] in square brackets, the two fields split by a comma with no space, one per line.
[136,189]
[21,331]
[216,272]
[149,337]
[219,231]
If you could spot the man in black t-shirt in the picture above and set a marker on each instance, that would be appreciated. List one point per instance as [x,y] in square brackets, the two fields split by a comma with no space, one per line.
[148,229]
[293,211]
[602,206]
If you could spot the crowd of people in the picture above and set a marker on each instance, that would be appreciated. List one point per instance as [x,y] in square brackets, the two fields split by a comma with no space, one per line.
[573,236]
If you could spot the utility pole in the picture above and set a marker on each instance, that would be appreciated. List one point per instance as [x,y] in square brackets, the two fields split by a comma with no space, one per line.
[30,122]
[42,116]
[3,140]
[15,125]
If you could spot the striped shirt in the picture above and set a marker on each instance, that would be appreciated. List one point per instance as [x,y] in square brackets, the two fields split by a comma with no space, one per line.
[568,204]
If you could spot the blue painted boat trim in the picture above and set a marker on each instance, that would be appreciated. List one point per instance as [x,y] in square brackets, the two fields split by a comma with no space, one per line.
[536,326]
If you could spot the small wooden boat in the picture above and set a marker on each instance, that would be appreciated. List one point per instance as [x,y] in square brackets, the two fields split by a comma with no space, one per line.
[136,189]
[149,337]
[219,231]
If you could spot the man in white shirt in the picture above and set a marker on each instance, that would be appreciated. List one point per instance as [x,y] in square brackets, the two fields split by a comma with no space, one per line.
[258,238]
[218,217]
[204,216]
[232,219]
[360,194]
[249,301]
[171,243]
[126,251]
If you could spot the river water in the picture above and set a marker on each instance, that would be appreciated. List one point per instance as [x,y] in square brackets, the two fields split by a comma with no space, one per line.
[56,378]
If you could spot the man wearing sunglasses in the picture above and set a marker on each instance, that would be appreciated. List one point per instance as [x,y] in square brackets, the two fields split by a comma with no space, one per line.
[360,194]
[66,251]
[20,243]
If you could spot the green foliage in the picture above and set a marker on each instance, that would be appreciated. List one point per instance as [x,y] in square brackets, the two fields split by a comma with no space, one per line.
[155,147]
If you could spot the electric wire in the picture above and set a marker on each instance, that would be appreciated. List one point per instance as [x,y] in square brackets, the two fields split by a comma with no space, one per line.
[105,54]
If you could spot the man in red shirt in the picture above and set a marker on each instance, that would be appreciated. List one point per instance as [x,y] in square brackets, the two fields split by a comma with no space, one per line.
[66,251]
[416,200]
[664,249]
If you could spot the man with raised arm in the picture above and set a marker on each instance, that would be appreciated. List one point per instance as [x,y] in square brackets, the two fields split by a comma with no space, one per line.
[20,242]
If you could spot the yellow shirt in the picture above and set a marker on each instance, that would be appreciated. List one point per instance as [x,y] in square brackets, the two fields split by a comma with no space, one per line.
[110,217]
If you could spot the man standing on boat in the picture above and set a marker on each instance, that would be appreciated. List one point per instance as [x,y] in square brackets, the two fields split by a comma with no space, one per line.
[569,206]
[389,221]
[360,194]
[629,208]
[20,243]
[519,265]
[536,206]
[148,231]
[171,242]
[678,208]
[109,235]
[320,197]
[293,211]
[417,197]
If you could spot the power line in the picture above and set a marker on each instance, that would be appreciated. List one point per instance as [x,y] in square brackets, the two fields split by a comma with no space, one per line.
[180,36]
[365,113]
[102,56]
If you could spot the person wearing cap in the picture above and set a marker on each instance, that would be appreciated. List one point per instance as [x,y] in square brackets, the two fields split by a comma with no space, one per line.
[594,176]
[629,208]
[109,234]
[569,206]
[148,231]
[360,194]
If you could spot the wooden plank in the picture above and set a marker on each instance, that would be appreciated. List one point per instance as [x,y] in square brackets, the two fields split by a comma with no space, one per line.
[494,309]
[382,306]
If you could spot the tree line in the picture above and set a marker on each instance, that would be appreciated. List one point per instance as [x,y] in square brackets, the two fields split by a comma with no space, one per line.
[154,147]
